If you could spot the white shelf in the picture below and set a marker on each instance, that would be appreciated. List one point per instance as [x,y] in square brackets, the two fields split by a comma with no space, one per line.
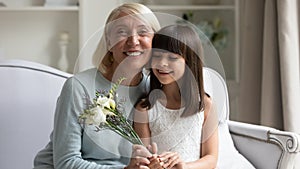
[40,8]
[191,7]
[35,30]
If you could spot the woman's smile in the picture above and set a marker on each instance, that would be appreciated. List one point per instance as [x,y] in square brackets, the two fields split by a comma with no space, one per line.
[134,54]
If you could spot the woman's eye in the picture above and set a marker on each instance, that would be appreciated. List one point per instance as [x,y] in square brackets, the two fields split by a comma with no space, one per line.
[122,32]
[144,32]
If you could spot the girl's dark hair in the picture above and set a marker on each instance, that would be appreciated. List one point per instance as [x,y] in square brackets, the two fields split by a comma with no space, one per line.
[182,40]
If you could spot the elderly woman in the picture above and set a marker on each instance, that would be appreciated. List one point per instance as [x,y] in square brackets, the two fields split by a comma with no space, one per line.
[123,51]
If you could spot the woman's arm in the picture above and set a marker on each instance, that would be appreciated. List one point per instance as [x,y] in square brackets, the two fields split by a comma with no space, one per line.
[68,133]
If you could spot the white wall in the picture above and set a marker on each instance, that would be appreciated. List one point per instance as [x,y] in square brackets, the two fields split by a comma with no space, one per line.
[31,32]
[92,17]
[34,35]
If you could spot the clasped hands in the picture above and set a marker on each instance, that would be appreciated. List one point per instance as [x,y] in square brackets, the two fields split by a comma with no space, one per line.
[147,158]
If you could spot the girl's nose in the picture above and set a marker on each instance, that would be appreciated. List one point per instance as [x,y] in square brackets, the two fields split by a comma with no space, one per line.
[163,62]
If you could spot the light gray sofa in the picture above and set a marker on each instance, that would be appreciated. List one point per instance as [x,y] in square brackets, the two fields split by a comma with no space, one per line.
[28,94]
[264,147]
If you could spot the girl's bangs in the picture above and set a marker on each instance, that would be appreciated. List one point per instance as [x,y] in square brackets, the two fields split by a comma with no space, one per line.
[165,43]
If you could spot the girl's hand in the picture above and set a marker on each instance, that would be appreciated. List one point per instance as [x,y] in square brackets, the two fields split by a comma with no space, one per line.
[171,159]
[181,165]
[155,162]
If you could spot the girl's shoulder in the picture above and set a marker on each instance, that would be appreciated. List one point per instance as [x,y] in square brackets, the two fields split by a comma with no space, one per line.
[207,101]
[142,105]
[210,112]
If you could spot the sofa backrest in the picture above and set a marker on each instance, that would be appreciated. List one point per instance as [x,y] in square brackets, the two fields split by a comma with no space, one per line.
[28,94]
[215,86]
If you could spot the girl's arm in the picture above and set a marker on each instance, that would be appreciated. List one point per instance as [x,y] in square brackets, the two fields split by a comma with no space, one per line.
[141,126]
[210,136]
[210,139]
[141,123]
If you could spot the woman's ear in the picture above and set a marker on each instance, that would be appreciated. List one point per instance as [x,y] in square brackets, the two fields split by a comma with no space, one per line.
[108,45]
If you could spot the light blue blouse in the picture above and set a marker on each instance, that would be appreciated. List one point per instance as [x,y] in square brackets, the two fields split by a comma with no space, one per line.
[71,145]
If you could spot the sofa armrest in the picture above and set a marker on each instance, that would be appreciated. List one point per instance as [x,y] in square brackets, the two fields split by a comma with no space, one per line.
[263,146]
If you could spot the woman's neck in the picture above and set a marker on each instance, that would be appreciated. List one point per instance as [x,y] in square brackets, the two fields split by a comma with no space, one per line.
[132,78]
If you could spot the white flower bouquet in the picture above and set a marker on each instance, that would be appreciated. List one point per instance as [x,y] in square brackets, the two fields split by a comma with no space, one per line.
[104,114]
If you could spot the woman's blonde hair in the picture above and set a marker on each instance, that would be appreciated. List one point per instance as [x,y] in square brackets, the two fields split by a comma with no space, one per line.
[102,56]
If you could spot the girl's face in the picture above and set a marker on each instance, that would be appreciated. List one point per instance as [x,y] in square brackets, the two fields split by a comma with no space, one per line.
[130,42]
[167,67]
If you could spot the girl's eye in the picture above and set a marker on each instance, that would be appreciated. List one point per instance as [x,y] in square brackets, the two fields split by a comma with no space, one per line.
[172,57]
[156,56]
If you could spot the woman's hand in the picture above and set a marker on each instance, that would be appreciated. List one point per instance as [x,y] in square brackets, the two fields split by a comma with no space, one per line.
[172,159]
[139,158]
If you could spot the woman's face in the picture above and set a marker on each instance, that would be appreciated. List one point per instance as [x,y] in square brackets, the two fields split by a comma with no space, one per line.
[167,67]
[130,42]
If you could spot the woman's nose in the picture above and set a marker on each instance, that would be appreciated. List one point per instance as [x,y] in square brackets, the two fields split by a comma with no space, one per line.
[133,40]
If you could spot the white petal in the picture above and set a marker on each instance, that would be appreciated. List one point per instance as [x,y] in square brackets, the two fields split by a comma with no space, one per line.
[107,112]
[100,117]
[112,103]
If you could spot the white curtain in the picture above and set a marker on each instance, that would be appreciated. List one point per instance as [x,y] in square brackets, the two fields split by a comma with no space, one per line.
[272,95]
[252,12]
[280,77]
[280,99]
[270,76]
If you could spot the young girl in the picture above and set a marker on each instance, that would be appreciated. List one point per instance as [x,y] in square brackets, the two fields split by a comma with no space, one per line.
[177,114]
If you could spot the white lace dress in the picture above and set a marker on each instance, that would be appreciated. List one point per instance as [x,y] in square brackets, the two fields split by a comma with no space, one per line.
[174,133]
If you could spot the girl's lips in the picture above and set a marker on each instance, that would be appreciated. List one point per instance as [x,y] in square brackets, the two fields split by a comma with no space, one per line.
[164,72]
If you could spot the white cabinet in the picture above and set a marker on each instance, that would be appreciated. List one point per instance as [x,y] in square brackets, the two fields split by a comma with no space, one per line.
[33,33]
